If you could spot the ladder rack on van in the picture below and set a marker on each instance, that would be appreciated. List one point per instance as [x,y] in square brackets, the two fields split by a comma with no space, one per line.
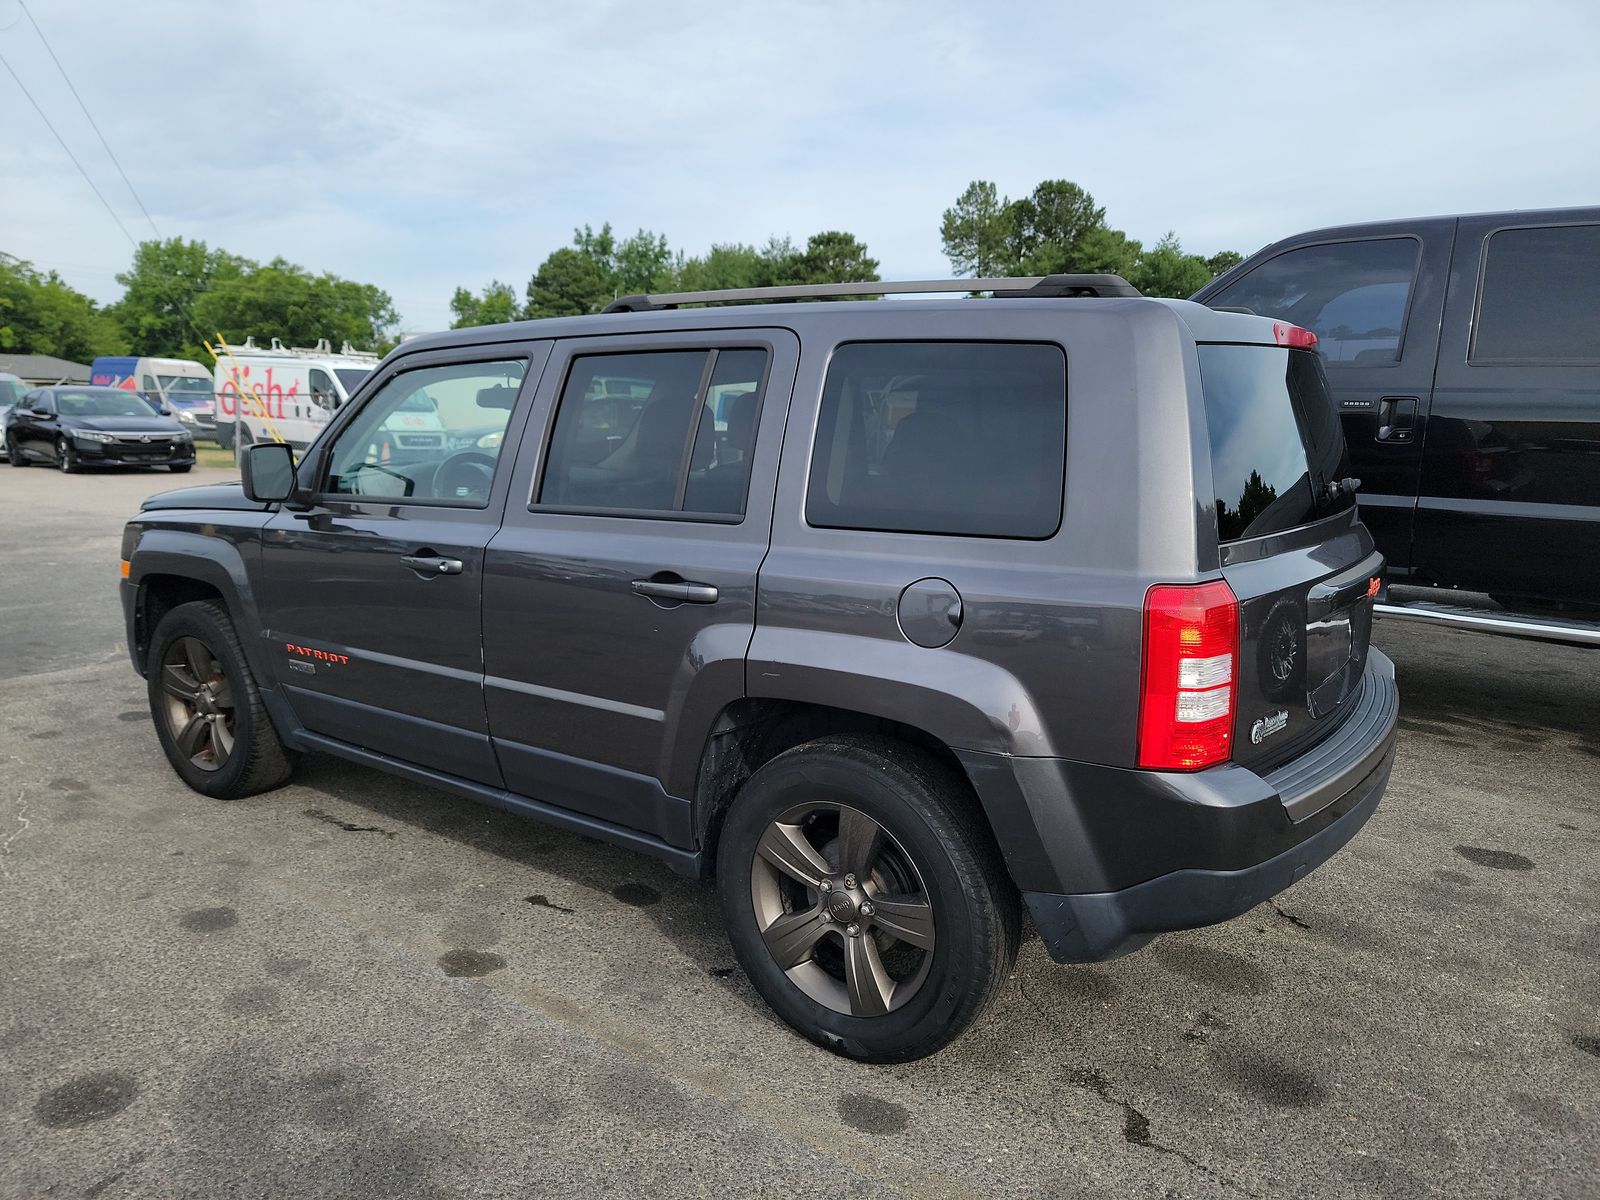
[1025,286]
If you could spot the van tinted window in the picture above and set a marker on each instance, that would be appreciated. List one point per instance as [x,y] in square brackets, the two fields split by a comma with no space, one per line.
[1353,295]
[948,437]
[1275,439]
[1540,296]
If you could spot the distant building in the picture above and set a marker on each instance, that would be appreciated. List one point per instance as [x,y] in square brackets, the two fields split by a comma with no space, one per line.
[40,370]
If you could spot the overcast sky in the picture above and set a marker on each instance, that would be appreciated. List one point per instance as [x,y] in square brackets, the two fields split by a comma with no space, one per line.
[420,146]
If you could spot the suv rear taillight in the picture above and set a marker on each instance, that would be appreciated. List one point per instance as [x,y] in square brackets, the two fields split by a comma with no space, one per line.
[1191,676]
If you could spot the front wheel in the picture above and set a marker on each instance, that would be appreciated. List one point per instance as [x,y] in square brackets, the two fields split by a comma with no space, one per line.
[865,898]
[14,453]
[66,456]
[208,711]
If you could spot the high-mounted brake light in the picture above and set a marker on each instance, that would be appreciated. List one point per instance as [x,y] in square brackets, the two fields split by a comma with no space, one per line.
[1191,676]
[1293,336]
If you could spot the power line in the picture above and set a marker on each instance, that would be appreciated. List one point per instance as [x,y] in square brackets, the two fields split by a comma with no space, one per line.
[68,149]
[111,154]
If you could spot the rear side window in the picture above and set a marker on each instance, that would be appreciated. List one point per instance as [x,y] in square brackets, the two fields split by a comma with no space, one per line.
[1275,439]
[1353,295]
[660,432]
[963,438]
[1539,300]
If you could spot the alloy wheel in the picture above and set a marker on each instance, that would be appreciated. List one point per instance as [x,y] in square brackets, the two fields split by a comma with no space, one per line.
[842,909]
[64,454]
[199,706]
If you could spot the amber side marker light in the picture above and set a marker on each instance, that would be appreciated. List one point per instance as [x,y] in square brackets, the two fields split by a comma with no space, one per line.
[126,567]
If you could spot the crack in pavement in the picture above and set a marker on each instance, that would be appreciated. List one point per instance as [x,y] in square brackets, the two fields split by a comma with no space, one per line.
[1135,1125]
[5,846]
[1290,917]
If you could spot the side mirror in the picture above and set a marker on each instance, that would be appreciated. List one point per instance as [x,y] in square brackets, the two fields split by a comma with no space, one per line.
[268,472]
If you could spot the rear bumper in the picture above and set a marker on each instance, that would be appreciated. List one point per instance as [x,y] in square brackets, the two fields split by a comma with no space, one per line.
[1107,858]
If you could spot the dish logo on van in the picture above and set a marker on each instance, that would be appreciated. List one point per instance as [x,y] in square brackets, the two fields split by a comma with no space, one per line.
[260,400]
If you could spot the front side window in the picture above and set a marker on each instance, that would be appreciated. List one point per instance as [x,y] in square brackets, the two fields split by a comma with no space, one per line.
[1539,299]
[1352,295]
[656,432]
[322,393]
[964,438]
[431,435]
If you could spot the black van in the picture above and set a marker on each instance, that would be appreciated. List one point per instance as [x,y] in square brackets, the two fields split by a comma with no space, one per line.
[1464,355]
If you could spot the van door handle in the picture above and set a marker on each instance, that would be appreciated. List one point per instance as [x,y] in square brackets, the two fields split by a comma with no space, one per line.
[677,590]
[432,564]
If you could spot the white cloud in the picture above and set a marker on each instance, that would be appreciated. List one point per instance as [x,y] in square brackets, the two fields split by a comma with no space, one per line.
[422,145]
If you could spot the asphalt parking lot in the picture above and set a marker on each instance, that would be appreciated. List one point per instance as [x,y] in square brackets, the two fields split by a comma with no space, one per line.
[356,986]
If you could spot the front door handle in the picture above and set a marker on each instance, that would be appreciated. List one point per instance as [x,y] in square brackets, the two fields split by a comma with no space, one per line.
[676,590]
[432,564]
[1397,416]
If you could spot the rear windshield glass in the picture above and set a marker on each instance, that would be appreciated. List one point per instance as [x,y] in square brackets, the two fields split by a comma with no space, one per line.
[1276,443]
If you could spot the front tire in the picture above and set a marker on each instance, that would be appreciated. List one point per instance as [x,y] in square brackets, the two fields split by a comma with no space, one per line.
[180,468]
[208,711]
[865,898]
[14,453]
[66,457]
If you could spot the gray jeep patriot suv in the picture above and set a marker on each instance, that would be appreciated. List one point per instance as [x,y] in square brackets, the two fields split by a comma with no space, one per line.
[894,617]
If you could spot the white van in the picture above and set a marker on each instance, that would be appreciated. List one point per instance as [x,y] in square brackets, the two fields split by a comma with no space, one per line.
[288,394]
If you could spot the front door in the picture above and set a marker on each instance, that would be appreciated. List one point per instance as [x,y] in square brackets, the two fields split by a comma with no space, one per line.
[1373,303]
[373,595]
[619,595]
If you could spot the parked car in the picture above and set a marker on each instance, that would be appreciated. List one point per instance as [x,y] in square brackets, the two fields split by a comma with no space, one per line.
[73,426]
[179,386]
[11,390]
[1464,356]
[860,608]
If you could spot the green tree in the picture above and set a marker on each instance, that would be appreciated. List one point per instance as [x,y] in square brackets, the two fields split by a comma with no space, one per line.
[641,263]
[1165,270]
[41,314]
[977,231]
[495,306]
[832,256]
[569,283]
[1105,251]
[286,301]
[1223,261]
[163,285]
[1047,228]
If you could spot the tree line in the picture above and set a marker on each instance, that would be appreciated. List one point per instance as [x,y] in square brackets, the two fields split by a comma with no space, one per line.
[177,292]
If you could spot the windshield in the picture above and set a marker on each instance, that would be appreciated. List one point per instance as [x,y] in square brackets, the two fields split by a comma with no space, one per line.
[1276,443]
[184,385]
[351,378]
[102,402]
[10,392]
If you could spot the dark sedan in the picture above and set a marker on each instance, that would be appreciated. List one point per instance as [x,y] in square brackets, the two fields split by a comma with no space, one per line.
[82,426]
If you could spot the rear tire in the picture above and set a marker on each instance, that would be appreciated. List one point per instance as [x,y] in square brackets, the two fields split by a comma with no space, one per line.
[208,711]
[826,954]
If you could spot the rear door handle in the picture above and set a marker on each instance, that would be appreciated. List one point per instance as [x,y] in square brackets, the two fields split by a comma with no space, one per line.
[432,564]
[680,591]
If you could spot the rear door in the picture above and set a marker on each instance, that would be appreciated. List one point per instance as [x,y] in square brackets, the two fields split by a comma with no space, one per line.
[619,596]
[1303,567]
[1510,500]
[1374,302]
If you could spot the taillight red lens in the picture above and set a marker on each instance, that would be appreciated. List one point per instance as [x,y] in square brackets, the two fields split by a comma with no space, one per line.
[1191,676]
[1294,337]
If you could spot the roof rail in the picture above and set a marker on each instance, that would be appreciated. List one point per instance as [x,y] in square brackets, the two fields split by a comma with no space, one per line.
[1030,285]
